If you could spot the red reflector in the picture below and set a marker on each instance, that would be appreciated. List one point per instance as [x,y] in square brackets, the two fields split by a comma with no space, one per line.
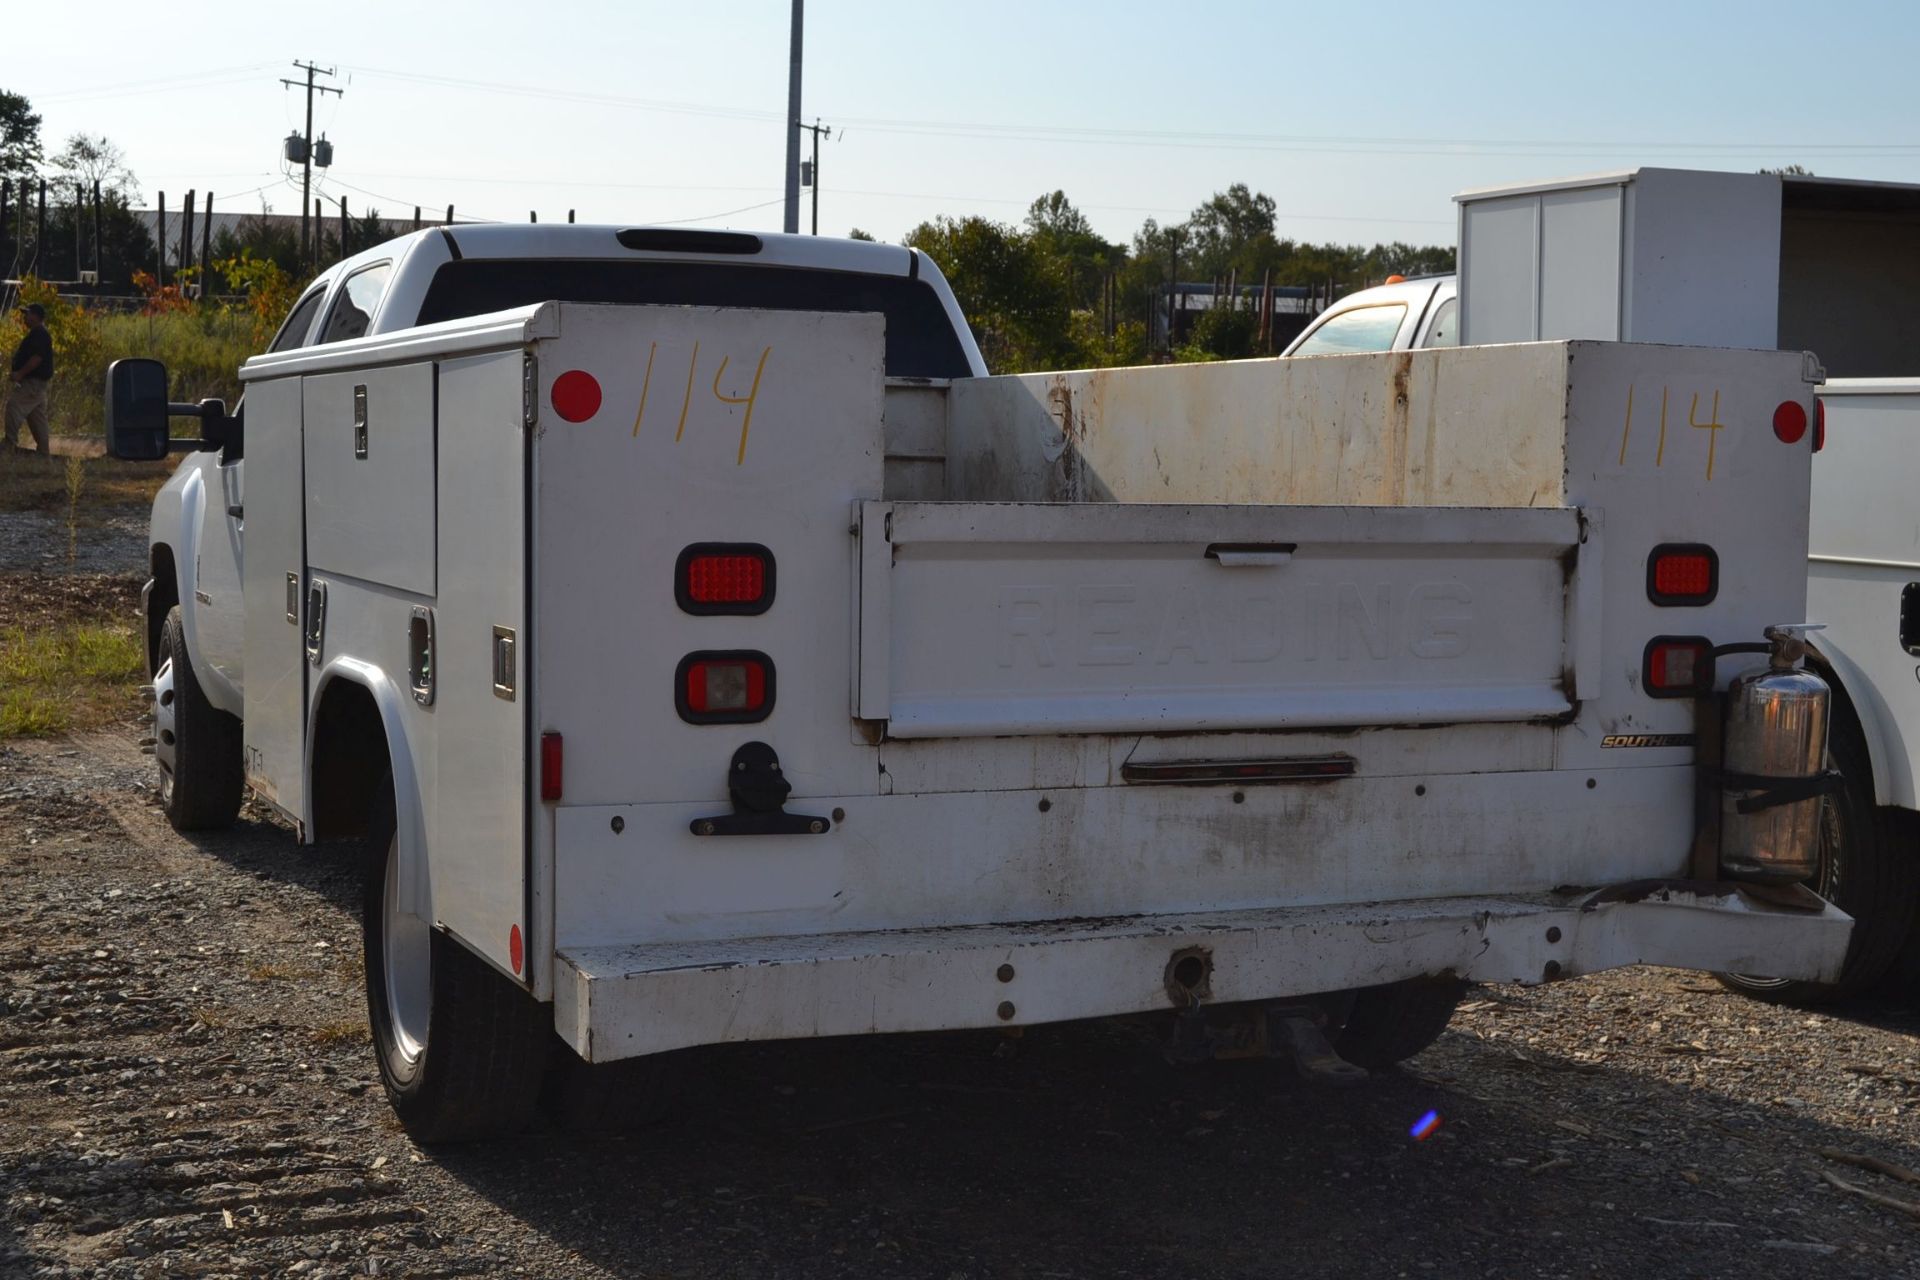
[726,579]
[552,761]
[726,686]
[576,395]
[1819,425]
[1688,575]
[1678,666]
[1790,421]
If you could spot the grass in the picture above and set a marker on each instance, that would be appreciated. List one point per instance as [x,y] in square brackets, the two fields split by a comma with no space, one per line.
[343,1031]
[268,972]
[73,675]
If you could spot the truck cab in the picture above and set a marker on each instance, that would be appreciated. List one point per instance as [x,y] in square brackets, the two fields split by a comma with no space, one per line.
[1401,315]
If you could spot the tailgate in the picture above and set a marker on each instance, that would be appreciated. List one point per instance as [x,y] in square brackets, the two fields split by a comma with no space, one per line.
[1030,618]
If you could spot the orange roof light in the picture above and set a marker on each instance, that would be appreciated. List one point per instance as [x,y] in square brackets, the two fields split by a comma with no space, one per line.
[1396,279]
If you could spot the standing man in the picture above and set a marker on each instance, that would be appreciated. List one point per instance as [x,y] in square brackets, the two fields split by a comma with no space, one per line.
[30,372]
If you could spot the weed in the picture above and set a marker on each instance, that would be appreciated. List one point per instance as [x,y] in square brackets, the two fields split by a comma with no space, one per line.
[211,1018]
[74,675]
[341,1031]
[76,478]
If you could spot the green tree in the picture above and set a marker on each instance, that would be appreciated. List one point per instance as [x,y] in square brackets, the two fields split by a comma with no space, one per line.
[1016,298]
[858,234]
[1225,227]
[1061,232]
[19,136]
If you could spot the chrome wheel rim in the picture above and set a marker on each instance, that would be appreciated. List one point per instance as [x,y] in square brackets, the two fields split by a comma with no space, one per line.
[166,742]
[406,957]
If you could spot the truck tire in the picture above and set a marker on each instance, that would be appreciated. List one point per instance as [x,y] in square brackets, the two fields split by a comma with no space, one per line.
[461,1049]
[1866,870]
[195,744]
[1390,1024]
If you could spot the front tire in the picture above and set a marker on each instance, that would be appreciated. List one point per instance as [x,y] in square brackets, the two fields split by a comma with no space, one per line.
[195,744]
[461,1049]
[1864,870]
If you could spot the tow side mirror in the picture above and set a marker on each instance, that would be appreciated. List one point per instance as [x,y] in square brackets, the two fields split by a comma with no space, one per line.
[137,410]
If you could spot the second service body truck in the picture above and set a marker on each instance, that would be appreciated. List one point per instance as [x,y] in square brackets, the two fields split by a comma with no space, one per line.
[706,650]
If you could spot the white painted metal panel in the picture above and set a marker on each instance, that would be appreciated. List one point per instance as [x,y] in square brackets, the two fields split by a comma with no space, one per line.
[1703,259]
[476,837]
[1865,551]
[1580,263]
[621,1002]
[370,493]
[1477,427]
[1499,270]
[1023,853]
[274,723]
[1676,445]
[621,493]
[1102,618]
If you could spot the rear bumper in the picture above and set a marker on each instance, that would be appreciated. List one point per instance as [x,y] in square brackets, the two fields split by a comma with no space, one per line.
[621,1002]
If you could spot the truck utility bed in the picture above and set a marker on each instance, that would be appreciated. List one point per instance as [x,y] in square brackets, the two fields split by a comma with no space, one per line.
[1330,671]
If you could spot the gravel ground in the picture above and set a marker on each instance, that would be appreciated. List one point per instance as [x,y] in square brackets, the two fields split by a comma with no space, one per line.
[116,543]
[186,1090]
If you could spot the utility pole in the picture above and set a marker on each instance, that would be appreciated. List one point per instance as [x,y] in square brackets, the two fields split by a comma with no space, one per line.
[791,221]
[813,166]
[306,179]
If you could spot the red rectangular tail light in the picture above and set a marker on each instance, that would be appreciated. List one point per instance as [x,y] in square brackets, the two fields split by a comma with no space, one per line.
[552,767]
[724,577]
[1683,573]
[724,687]
[1677,666]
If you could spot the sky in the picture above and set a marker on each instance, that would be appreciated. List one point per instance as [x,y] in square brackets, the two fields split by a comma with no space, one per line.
[1360,120]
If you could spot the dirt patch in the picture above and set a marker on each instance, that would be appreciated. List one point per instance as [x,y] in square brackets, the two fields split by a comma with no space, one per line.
[35,599]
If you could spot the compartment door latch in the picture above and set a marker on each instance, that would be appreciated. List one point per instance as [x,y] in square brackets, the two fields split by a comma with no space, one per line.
[759,792]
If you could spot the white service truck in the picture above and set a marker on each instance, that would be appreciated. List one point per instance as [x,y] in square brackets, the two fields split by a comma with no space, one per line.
[705,650]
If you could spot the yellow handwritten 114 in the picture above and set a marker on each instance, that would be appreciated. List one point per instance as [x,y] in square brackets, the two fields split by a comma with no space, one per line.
[686,401]
[1712,425]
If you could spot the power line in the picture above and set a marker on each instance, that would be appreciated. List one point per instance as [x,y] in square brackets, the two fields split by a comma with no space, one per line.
[157,84]
[1387,145]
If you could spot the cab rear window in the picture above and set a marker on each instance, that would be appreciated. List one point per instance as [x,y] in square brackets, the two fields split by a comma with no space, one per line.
[920,340]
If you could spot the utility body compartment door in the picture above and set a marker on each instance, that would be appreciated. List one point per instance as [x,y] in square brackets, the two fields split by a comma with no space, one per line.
[981,619]
[370,475]
[478,844]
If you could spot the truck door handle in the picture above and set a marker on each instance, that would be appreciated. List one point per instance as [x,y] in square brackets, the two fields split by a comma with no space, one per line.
[237,512]
[1910,619]
[1237,555]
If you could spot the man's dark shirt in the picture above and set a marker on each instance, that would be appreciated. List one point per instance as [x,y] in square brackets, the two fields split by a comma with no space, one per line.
[38,342]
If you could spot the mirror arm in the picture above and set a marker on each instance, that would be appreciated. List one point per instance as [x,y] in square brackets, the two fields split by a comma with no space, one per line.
[208,419]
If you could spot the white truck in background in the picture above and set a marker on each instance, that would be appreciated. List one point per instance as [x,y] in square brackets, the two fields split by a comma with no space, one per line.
[705,650]
[1758,261]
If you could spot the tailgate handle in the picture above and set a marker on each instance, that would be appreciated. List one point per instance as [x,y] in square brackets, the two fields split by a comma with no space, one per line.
[1236,555]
